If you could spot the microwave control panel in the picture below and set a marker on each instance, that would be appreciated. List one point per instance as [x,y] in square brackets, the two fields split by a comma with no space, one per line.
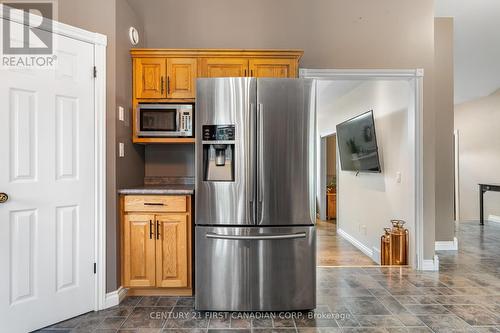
[186,121]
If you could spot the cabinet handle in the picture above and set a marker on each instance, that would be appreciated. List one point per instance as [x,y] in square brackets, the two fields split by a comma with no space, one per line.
[161,85]
[153,204]
[168,85]
[150,229]
[157,229]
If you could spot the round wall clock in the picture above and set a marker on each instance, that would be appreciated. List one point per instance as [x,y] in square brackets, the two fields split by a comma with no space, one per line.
[133,34]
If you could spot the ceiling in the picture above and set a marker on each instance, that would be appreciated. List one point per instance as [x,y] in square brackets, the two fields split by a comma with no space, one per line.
[476,46]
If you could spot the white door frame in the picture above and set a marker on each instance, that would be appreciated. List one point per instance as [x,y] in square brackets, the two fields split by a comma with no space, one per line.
[415,77]
[322,178]
[456,135]
[99,42]
[322,171]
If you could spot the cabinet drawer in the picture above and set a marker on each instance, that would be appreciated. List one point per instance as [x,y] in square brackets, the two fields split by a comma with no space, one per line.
[155,203]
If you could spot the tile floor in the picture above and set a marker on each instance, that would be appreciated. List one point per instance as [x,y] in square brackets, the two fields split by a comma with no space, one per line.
[463,297]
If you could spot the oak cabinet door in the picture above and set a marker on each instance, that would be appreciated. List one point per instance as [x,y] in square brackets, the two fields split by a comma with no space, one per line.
[224,67]
[172,255]
[276,68]
[139,250]
[181,77]
[150,78]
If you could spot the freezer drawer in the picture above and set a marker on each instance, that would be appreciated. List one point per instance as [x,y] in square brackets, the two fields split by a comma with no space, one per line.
[255,269]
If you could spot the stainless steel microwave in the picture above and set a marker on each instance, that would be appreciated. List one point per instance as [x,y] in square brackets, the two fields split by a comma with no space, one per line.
[164,120]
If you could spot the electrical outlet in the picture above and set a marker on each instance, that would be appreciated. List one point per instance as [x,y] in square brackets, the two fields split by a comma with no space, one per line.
[121,113]
[363,227]
[121,149]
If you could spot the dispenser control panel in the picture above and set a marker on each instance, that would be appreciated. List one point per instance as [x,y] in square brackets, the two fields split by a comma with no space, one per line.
[218,132]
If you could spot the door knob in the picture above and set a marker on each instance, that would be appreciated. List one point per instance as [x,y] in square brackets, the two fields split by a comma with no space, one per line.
[3,197]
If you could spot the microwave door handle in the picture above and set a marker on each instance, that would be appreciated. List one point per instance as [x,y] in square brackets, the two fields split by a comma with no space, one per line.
[178,121]
[138,121]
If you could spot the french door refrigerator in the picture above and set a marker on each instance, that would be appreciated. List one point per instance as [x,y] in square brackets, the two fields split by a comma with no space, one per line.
[255,241]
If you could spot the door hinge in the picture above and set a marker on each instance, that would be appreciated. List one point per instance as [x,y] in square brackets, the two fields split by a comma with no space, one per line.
[95,268]
[95,71]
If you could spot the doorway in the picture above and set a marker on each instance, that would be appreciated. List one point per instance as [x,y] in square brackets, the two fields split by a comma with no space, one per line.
[332,249]
[371,200]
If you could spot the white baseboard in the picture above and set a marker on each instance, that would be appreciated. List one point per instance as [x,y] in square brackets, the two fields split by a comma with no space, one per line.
[431,265]
[363,248]
[447,245]
[115,297]
[468,221]
[490,218]
[494,218]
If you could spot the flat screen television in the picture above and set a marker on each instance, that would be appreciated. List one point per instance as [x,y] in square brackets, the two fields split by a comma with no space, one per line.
[357,144]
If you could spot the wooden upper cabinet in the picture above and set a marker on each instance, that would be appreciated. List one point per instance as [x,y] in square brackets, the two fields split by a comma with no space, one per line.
[169,75]
[172,253]
[278,68]
[224,67]
[139,250]
[181,77]
[149,77]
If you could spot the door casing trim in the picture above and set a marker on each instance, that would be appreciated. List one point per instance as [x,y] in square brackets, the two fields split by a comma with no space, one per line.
[415,77]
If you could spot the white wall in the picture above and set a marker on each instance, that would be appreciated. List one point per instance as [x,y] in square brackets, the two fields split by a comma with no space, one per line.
[367,202]
[478,124]
[476,46]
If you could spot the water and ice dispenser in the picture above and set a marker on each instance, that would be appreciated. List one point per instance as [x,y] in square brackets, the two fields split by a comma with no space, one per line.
[218,153]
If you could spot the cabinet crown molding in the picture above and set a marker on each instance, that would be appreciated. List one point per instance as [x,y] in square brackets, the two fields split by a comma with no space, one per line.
[261,53]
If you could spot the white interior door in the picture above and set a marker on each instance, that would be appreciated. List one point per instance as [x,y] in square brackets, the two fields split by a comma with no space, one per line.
[47,170]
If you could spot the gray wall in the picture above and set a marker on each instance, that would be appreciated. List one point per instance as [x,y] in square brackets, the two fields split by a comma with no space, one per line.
[112,18]
[443,67]
[478,124]
[333,34]
[130,168]
[170,160]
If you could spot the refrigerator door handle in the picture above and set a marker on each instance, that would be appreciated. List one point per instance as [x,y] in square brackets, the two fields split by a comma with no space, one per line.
[252,163]
[260,164]
[257,237]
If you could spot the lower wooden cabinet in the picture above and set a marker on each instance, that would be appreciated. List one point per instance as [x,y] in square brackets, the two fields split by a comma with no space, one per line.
[156,246]
[138,251]
[171,251]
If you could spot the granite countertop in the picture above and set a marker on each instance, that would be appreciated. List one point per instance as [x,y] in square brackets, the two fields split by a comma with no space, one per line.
[184,189]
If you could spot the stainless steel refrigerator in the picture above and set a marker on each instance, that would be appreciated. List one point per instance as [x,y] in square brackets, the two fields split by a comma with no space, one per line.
[255,243]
